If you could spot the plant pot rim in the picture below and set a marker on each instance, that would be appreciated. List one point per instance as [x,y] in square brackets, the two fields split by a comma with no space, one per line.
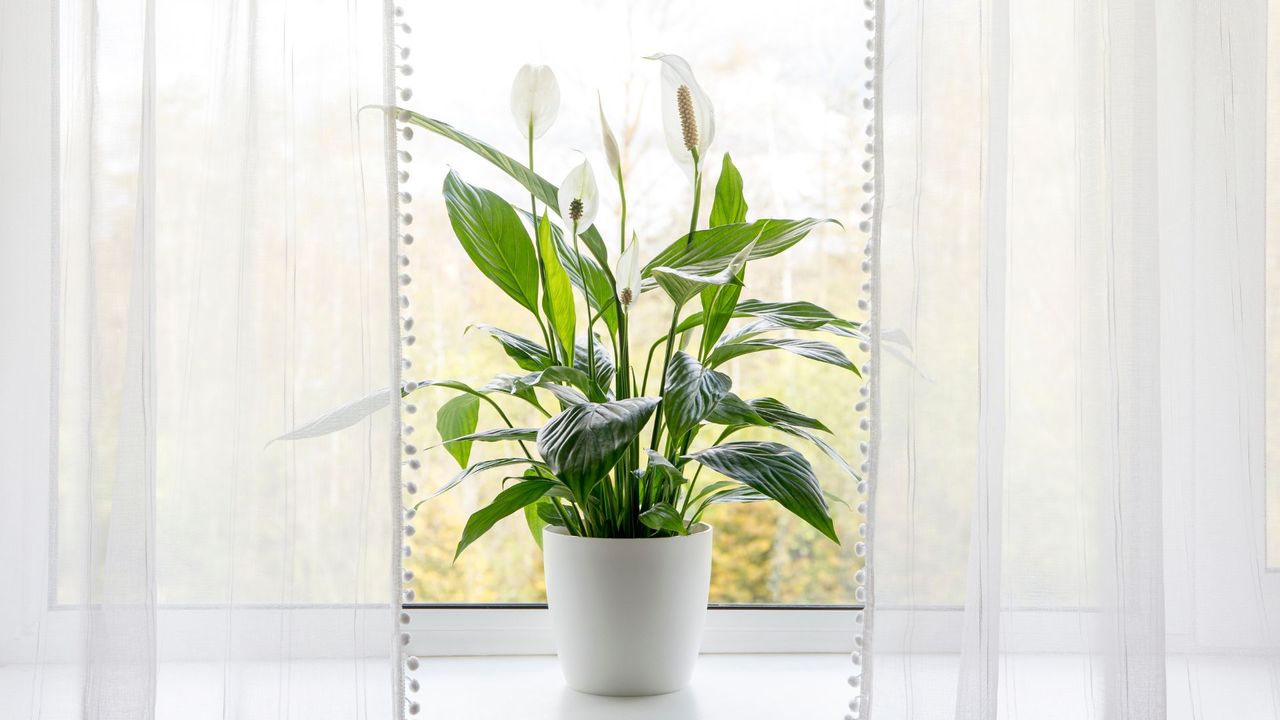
[699,528]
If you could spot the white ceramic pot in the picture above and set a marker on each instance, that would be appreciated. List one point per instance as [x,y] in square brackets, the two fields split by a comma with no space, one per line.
[627,614]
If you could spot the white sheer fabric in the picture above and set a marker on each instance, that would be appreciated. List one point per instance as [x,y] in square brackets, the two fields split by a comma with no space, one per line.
[1069,483]
[192,195]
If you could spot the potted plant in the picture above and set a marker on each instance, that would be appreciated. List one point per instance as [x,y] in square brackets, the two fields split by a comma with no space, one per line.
[615,481]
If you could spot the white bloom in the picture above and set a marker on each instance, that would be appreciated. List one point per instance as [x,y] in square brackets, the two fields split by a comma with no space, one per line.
[535,100]
[611,153]
[688,119]
[579,198]
[628,274]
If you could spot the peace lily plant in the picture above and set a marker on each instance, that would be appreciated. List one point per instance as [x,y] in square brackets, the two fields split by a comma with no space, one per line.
[615,457]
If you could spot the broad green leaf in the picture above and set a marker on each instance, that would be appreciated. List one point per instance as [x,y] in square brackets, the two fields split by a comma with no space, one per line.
[495,435]
[710,250]
[777,471]
[775,411]
[582,444]
[692,392]
[718,306]
[822,445]
[812,349]
[597,286]
[474,469]
[740,494]
[457,418]
[493,236]
[506,384]
[731,410]
[557,297]
[560,381]
[527,354]
[729,205]
[663,517]
[661,470]
[543,190]
[794,315]
[534,520]
[547,512]
[514,498]
[681,285]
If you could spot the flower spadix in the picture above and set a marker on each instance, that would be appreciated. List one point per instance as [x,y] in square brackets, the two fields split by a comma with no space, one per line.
[535,100]
[628,274]
[579,198]
[688,119]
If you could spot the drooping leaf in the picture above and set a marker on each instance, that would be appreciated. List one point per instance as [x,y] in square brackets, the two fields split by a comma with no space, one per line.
[457,418]
[527,354]
[775,411]
[731,410]
[729,205]
[777,471]
[495,435]
[342,417]
[711,250]
[692,391]
[583,443]
[681,285]
[827,448]
[513,498]
[474,469]
[557,296]
[546,193]
[663,517]
[534,520]
[740,494]
[560,381]
[797,315]
[491,233]
[817,350]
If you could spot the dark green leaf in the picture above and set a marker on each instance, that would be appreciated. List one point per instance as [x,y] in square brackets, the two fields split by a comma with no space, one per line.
[457,418]
[729,205]
[546,193]
[712,249]
[777,471]
[493,236]
[664,517]
[798,315]
[660,470]
[692,391]
[731,410]
[513,498]
[495,435]
[526,353]
[681,285]
[600,391]
[822,445]
[582,444]
[557,297]
[474,469]
[775,411]
[812,349]
[597,286]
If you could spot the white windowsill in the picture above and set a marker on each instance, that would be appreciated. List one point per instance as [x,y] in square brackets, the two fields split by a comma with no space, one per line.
[725,687]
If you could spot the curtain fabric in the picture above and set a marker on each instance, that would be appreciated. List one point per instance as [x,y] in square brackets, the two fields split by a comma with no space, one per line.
[196,257]
[1070,489]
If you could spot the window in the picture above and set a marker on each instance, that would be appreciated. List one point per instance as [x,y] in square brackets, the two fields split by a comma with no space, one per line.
[788,95]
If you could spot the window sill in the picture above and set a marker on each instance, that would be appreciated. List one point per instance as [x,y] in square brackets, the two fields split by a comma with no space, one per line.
[725,687]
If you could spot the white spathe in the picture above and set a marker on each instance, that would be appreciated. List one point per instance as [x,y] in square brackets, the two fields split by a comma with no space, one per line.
[676,73]
[535,100]
[627,614]
[580,184]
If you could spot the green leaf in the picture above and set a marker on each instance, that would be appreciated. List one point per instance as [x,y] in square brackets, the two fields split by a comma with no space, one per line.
[817,350]
[681,285]
[822,445]
[527,354]
[660,470]
[798,315]
[595,284]
[692,392]
[475,469]
[777,471]
[561,382]
[582,444]
[513,498]
[495,435]
[718,306]
[664,517]
[457,418]
[543,190]
[599,391]
[729,205]
[493,236]
[776,412]
[712,249]
[557,299]
[731,410]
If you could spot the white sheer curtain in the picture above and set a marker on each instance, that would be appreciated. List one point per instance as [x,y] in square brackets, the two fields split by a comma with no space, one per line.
[195,257]
[1069,515]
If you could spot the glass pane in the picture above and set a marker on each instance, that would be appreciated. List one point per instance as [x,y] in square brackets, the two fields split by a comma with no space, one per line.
[788,89]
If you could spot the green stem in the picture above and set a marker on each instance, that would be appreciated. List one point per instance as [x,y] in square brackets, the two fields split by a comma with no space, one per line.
[662,386]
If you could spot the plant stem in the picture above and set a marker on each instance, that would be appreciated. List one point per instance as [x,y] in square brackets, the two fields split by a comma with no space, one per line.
[662,387]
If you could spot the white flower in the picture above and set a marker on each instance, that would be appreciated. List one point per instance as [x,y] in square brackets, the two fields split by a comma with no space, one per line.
[611,153]
[535,100]
[628,274]
[688,119]
[579,198]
